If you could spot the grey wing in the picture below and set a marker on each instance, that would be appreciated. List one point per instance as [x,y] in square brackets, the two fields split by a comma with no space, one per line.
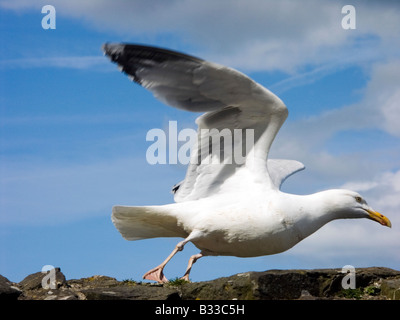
[169,75]
[231,101]
[280,169]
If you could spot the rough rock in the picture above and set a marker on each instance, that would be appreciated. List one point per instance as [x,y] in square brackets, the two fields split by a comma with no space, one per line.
[374,283]
[107,288]
[296,284]
[8,291]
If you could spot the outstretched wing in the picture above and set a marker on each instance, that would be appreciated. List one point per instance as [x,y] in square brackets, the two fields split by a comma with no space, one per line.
[230,100]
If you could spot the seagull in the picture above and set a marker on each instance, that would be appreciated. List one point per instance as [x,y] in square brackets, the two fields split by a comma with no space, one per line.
[225,207]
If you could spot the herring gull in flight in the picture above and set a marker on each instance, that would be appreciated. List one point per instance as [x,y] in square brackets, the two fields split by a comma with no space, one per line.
[226,207]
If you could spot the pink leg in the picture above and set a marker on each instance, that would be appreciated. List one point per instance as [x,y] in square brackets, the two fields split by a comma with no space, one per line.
[192,260]
[157,274]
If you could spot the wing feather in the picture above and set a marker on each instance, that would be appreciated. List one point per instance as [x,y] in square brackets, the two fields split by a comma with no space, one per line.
[231,101]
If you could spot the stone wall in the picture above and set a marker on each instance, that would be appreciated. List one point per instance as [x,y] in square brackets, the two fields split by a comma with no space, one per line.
[374,283]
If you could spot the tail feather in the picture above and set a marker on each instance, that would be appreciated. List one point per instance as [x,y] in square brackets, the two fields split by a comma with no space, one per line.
[135,223]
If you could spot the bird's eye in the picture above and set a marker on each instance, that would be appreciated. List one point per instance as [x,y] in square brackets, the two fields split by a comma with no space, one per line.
[358,199]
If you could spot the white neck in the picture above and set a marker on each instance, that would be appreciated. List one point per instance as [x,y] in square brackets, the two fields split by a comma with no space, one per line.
[311,212]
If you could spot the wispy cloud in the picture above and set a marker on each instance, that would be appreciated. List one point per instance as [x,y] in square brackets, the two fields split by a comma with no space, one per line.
[61,119]
[304,78]
[87,62]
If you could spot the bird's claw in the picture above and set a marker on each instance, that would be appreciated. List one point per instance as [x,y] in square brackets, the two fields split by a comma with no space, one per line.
[156,274]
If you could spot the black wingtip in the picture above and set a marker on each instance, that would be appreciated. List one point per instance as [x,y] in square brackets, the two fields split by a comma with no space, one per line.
[118,54]
[113,50]
[116,50]
[132,57]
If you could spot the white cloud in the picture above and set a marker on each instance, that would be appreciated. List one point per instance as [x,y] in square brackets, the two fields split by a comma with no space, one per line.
[383,191]
[391,112]
[378,108]
[360,186]
[252,35]
[386,192]
[383,94]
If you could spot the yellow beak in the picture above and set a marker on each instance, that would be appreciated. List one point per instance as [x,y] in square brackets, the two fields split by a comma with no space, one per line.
[376,216]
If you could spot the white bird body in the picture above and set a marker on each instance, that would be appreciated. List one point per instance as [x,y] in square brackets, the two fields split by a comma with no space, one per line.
[253,225]
[226,207]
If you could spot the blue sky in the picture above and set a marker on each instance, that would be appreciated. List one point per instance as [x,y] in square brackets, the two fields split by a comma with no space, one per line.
[73,128]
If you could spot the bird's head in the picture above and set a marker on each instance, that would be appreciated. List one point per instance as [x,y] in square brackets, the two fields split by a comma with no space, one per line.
[350,204]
